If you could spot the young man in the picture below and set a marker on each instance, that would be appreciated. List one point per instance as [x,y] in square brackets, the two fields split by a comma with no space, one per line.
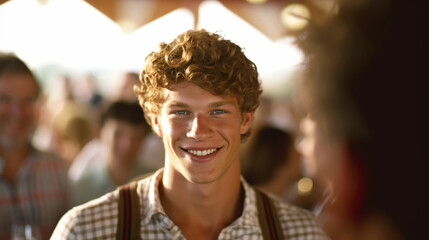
[123,129]
[199,93]
[33,184]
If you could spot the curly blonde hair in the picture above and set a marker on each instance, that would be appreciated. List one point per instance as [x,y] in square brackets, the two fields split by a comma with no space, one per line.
[205,59]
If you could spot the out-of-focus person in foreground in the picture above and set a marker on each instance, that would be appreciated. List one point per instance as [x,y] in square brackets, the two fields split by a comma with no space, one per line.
[363,95]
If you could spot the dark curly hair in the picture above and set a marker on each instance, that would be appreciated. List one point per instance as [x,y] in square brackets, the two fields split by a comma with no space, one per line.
[205,59]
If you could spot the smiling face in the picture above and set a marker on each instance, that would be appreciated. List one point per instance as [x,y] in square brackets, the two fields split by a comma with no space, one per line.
[123,141]
[201,133]
[18,95]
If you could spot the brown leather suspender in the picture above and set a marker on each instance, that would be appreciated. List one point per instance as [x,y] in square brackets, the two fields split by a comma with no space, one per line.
[268,219]
[129,215]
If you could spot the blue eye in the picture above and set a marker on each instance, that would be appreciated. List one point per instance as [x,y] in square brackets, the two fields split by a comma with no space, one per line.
[218,111]
[181,112]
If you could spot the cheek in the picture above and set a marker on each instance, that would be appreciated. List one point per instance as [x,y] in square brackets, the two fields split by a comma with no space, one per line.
[116,145]
[136,146]
[322,159]
[3,110]
[328,162]
[228,130]
[172,130]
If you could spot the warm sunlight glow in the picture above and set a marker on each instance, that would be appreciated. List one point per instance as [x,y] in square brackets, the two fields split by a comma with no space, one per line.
[305,186]
[275,60]
[76,35]
[256,1]
[70,33]
[295,16]
[146,39]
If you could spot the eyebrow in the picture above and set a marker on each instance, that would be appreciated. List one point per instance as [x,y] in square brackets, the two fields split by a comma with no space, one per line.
[177,104]
[221,103]
[184,105]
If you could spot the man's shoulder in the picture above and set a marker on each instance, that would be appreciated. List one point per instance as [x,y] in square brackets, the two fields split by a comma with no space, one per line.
[47,157]
[96,219]
[104,207]
[99,207]
[297,221]
[46,162]
[289,208]
[87,220]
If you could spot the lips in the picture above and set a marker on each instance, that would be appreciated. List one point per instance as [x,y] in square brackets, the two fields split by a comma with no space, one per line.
[201,152]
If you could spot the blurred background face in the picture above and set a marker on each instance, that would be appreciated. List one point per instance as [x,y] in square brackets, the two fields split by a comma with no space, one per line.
[123,140]
[125,90]
[294,162]
[308,146]
[320,155]
[18,111]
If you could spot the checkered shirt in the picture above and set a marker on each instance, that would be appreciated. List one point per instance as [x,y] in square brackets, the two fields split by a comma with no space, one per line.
[40,195]
[98,218]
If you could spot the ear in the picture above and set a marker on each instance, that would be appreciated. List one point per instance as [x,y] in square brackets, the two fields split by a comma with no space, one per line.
[156,125]
[246,123]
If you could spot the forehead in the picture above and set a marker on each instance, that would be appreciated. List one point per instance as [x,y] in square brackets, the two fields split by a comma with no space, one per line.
[18,85]
[189,93]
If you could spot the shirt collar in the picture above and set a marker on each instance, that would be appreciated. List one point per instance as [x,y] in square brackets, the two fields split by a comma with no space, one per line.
[153,208]
[152,203]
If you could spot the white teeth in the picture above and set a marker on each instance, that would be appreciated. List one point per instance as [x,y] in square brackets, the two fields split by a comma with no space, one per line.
[203,152]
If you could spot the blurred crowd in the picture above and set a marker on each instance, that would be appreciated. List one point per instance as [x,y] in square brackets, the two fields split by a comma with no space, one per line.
[66,148]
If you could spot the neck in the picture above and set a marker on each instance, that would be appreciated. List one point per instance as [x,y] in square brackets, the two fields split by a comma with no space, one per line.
[120,173]
[13,159]
[201,211]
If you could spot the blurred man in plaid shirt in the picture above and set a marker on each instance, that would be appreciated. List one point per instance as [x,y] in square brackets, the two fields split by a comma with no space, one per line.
[34,188]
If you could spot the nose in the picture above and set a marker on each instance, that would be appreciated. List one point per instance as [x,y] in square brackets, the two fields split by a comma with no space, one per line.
[124,142]
[298,144]
[18,108]
[200,128]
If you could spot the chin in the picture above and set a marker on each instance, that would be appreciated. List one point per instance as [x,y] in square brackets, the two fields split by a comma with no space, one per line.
[201,178]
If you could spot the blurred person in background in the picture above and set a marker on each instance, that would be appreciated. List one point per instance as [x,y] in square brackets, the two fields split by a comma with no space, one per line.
[363,94]
[125,87]
[64,126]
[317,156]
[152,151]
[72,129]
[123,129]
[271,162]
[51,105]
[86,91]
[34,187]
